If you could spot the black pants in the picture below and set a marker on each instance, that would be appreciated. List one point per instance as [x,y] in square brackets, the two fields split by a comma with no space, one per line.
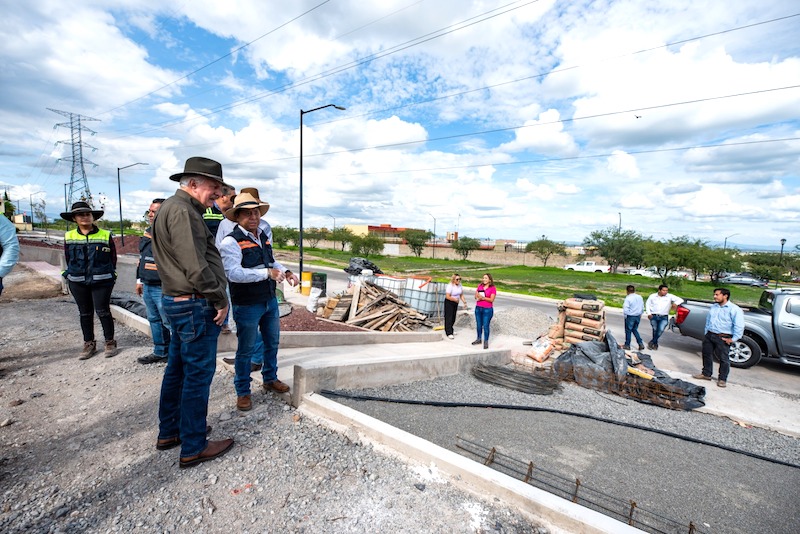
[714,345]
[91,298]
[450,309]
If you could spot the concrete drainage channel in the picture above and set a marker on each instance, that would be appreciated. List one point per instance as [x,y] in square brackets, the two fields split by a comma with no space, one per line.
[555,513]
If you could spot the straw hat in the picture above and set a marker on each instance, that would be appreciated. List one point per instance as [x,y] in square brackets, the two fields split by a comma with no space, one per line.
[246,200]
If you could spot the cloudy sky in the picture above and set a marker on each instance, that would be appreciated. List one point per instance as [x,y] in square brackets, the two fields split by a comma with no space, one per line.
[503,120]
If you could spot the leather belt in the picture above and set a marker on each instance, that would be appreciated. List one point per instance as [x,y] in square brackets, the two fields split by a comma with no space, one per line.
[188,296]
[721,335]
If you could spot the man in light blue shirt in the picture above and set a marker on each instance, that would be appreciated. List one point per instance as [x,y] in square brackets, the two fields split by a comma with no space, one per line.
[632,310]
[9,248]
[724,326]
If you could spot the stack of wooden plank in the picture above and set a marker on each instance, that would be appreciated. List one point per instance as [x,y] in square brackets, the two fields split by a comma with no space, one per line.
[375,308]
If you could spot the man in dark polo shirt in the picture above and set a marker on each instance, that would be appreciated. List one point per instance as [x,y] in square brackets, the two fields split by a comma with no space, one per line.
[195,302]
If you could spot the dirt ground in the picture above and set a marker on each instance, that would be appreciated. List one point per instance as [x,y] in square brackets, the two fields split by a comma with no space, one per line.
[77,447]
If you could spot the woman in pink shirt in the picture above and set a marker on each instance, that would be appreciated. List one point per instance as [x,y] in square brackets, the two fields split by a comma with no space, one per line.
[484,311]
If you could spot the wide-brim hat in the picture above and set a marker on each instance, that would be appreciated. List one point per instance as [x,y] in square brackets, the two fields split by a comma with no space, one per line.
[246,200]
[197,166]
[81,207]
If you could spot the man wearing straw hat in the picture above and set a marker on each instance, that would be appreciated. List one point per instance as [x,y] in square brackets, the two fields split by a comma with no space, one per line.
[257,356]
[253,276]
[195,302]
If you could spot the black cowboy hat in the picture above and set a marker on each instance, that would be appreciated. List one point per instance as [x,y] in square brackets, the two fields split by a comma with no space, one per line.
[81,207]
[197,166]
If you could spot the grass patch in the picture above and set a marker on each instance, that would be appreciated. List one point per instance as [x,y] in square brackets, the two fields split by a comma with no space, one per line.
[550,282]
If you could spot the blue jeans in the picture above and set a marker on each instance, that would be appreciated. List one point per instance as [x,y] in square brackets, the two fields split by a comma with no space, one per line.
[256,322]
[632,326]
[190,368]
[659,324]
[159,324]
[483,316]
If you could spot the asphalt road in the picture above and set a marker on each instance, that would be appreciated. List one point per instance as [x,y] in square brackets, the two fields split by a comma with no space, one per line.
[676,353]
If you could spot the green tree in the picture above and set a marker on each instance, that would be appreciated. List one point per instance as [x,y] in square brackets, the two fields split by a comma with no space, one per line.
[416,240]
[314,236]
[766,265]
[672,255]
[39,212]
[342,236]
[716,261]
[544,248]
[366,246]
[281,235]
[8,206]
[465,245]
[617,246]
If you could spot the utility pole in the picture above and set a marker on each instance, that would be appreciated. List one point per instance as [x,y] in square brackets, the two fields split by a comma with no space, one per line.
[78,184]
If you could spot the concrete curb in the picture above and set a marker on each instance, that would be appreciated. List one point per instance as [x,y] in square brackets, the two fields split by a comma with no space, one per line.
[557,514]
[386,371]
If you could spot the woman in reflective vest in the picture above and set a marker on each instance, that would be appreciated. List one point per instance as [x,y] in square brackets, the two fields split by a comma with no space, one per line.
[91,272]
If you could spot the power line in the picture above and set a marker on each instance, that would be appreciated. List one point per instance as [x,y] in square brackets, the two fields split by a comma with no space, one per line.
[569,158]
[433,35]
[511,128]
[232,52]
[342,68]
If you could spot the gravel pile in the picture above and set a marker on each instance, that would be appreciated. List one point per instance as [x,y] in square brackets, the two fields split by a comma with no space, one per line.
[526,323]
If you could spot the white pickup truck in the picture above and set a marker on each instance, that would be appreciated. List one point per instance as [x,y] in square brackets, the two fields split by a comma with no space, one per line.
[588,267]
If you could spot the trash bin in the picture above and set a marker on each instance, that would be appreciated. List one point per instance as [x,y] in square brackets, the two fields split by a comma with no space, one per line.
[320,281]
[305,283]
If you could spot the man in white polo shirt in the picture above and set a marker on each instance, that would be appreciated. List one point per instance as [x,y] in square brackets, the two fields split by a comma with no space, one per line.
[658,307]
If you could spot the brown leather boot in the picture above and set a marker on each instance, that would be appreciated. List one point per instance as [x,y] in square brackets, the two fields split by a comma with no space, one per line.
[244,403]
[214,449]
[89,349]
[111,348]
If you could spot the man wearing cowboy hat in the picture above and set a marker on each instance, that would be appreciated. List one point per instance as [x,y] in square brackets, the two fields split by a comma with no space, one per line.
[195,302]
[252,275]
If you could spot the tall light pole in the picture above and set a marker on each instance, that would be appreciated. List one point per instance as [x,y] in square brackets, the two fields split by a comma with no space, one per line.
[725,244]
[334,220]
[300,243]
[433,249]
[780,260]
[119,192]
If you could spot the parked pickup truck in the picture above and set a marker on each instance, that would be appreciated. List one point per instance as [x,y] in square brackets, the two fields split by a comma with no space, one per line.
[588,267]
[771,330]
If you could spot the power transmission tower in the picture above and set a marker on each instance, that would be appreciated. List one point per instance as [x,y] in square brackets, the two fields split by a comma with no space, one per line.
[78,184]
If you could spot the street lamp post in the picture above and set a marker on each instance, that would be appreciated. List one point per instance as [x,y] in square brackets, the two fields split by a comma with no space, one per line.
[780,261]
[334,220]
[433,249]
[119,192]
[725,244]
[300,243]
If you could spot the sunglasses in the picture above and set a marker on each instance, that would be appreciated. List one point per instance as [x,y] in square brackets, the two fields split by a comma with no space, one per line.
[458,279]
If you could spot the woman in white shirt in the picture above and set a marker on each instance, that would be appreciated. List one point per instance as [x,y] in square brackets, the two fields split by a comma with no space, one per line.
[453,294]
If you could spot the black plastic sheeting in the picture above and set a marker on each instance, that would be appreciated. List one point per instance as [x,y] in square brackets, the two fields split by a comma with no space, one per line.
[359,264]
[602,365]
